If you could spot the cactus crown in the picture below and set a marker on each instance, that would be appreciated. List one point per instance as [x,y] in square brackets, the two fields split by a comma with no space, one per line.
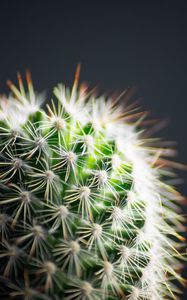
[85,213]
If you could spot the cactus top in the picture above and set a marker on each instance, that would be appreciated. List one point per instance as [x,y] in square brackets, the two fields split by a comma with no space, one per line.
[85,209]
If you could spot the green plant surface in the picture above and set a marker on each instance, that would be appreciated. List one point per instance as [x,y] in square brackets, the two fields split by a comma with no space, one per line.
[85,209]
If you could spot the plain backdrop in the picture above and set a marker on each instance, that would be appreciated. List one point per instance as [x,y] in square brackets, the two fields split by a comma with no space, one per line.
[119,44]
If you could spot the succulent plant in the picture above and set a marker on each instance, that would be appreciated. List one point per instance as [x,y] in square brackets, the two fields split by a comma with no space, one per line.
[86,212]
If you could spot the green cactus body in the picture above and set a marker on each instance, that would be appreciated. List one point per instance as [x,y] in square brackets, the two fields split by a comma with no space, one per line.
[84,211]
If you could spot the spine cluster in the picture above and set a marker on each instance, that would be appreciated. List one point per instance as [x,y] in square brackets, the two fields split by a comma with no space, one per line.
[85,210]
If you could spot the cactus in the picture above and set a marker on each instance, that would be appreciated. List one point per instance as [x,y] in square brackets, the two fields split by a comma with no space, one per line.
[86,212]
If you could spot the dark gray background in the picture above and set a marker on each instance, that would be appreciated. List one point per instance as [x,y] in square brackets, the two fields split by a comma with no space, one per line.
[120,44]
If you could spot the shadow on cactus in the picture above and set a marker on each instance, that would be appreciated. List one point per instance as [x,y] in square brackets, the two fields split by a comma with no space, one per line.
[86,212]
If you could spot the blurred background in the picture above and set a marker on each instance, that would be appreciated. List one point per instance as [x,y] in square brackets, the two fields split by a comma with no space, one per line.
[119,44]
